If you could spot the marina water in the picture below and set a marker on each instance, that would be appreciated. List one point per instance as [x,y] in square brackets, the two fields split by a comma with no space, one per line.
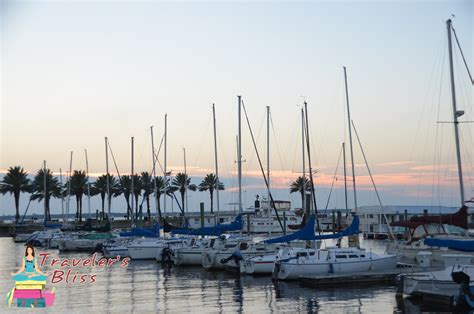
[146,286]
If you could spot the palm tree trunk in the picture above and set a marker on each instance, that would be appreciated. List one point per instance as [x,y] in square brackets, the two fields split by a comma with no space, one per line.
[80,208]
[160,217]
[102,196]
[47,213]
[77,207]
[182,201]
[136,207]
[302,201]
[148,206]
[17,205]
[127,198]
[211,192]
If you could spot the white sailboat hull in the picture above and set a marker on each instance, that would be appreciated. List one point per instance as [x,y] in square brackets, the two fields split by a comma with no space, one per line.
[293,270]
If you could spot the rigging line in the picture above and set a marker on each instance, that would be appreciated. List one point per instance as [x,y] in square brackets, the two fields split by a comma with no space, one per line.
[438,61]
[272,202]
[462,54]
[119,176]
[372,179]
[333,179]
[276,142]
[296,147]
[437,133]
[308,148]
[201,140]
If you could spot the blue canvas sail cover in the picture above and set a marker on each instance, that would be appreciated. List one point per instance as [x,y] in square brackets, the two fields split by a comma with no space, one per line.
[352,229]
[458,244]
[217,230]
[150,232]
[307,233]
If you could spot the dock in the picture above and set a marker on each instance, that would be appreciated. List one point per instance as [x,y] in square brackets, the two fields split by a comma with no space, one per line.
[354,279]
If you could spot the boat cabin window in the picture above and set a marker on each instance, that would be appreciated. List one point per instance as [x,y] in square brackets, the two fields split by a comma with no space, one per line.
[363,255]
[353,256]
[341,256]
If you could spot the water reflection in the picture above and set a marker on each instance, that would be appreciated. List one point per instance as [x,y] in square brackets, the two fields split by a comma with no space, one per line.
[146,286]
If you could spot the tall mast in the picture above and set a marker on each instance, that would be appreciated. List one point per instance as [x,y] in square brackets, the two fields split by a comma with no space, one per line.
[154,172]
[107,175]
[350,140]
[268,172]
[132,186]
[215,160]
[239,152]
[164,162]
[62,194]
[353,240]
[308,149]
[185,205]
[304,165]
[456,113]
[45,192]
[69,186]
[88,186]
[345,173]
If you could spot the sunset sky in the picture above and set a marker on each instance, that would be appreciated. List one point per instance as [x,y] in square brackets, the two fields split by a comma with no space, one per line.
[73,72]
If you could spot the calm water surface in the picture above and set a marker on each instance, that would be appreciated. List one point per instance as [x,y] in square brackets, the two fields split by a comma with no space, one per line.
[145,286]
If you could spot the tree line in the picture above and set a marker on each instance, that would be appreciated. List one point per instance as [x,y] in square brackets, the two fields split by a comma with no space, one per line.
[16,181]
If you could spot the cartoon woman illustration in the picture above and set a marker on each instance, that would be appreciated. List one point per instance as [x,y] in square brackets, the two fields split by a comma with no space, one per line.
[29,268]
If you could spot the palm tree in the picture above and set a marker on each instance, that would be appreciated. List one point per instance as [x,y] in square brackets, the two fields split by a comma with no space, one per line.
[211,183]
[182,183]
[78,187]
[137,191]
[124,186]
[53,189]
[300,186]
[147,187]
[14,182]
[100,187]
[162,189]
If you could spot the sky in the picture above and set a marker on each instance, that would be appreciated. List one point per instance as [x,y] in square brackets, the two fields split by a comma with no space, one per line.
[73,72]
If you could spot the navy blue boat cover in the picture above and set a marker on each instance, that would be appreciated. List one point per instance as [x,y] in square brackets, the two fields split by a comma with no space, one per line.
[150,232]
[466,245]
[307,233]
[218,229]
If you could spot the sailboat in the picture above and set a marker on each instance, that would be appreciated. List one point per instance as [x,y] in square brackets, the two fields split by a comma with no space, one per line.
[334,259]
[442,242]
[441,283]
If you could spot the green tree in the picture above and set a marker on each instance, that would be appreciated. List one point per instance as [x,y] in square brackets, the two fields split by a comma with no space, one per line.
[300,185]
[147,187]
[100,187]
[182,183]
[162,189]
[211,183]
[78,188]
[124,187]
[15,182]
[137,191]
[53,189]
